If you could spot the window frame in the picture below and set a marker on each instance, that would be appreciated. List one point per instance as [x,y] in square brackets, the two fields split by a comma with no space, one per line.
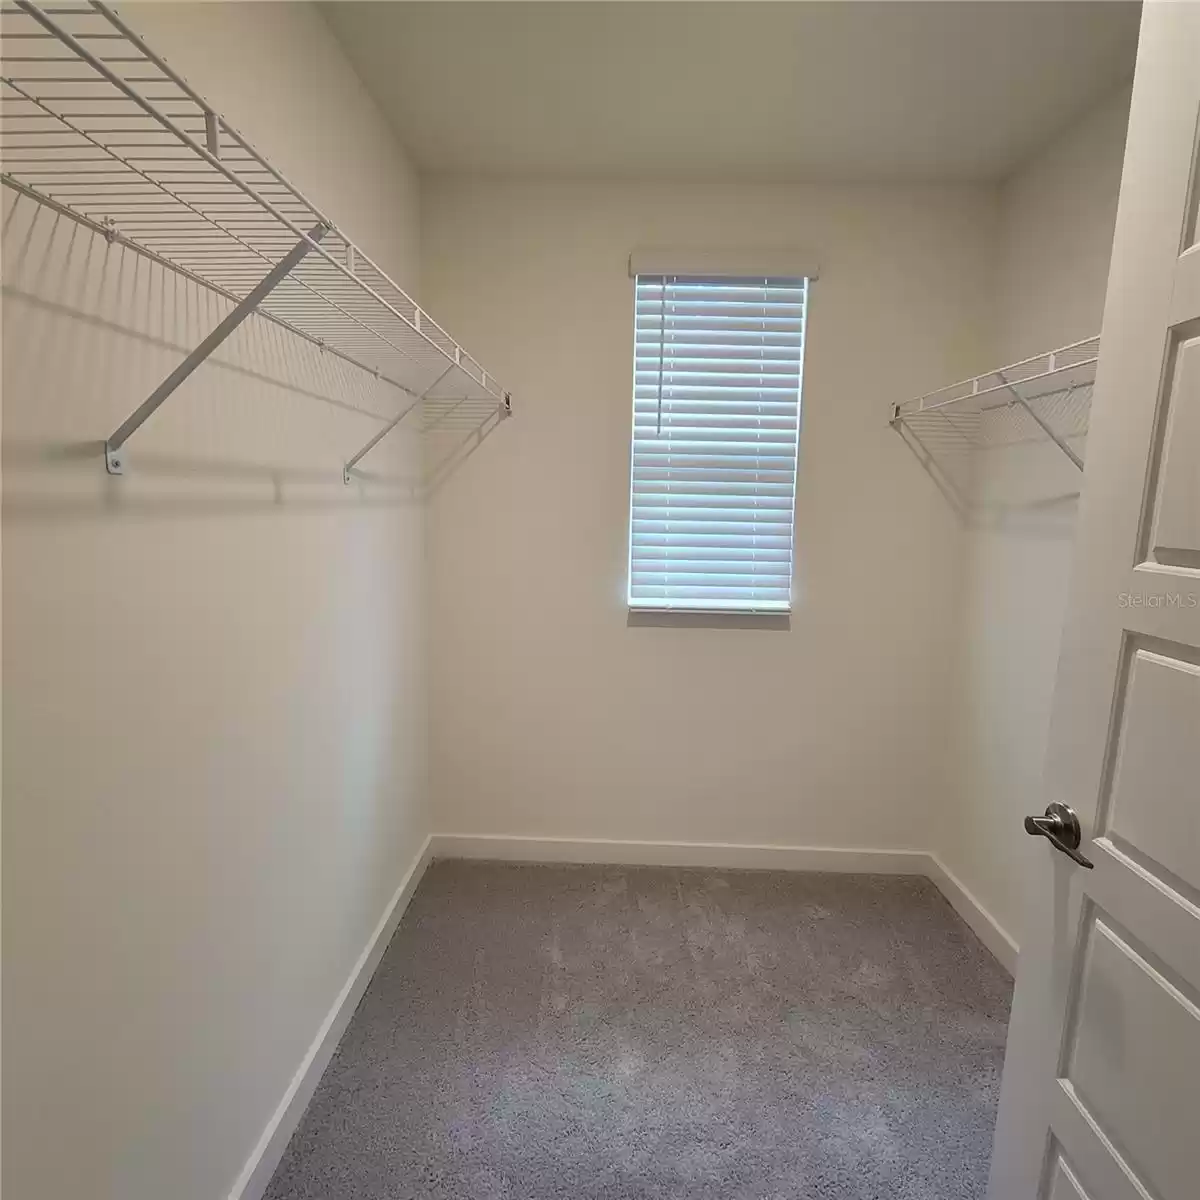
[713,607]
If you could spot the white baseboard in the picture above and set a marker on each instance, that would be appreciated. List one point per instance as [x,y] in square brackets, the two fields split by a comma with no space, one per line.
[985,926]
[261,1164]
[678,854]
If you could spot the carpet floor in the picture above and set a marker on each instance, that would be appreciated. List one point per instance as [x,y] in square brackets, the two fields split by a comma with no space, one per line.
[546,1032]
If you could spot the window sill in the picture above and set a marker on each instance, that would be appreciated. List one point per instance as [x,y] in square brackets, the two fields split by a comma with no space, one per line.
[693,618]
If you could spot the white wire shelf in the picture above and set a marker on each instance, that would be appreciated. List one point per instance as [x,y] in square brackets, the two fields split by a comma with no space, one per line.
[1044,401]
[97,126]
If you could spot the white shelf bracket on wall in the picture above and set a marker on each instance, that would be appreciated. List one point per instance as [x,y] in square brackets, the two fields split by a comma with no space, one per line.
[114,458]
[96,126]
[505,410]
[1044,425]
[353,461]
[1047,397]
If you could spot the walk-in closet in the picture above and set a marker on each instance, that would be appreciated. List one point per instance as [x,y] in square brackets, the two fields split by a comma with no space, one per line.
[600,600]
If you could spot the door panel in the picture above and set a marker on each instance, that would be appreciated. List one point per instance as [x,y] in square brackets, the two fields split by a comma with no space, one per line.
[1064,1185]
[1152,805]
[1133,1059]
[1095,1161]
[1154,910]
[1175,528]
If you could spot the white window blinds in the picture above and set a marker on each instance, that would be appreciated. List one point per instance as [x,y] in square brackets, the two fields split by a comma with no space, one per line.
[716,424]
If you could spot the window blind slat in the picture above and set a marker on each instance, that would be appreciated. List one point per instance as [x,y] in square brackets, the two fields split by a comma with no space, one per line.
[725,462]
[718,366]
[691,557]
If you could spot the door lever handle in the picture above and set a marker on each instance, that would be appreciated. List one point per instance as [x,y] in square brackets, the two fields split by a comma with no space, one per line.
[1060,826]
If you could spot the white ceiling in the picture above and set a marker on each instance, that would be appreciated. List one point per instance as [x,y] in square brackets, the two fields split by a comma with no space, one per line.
[789,90]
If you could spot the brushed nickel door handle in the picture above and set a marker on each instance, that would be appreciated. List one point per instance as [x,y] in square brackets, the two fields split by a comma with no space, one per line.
[1060,826]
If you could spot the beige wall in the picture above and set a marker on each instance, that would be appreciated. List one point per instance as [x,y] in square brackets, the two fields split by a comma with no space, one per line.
[550,715]
[1056,225]
[214,680]
[1057,217]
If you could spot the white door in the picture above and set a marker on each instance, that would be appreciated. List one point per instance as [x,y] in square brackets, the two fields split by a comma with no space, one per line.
[1101,1092]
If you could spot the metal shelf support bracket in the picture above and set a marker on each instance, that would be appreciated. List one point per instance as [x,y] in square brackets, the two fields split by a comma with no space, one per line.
[114,457]
[353,462]
[1044,426]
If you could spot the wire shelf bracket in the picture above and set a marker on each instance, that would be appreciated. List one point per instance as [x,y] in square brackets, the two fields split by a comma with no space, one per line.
[114,459]
[348,470]
[1043,398]
[98,127]
[353,461]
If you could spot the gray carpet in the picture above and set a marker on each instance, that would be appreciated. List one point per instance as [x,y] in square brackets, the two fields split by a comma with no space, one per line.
[545,1033]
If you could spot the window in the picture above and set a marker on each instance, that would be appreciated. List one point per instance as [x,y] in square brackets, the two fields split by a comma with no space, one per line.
[718,364]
